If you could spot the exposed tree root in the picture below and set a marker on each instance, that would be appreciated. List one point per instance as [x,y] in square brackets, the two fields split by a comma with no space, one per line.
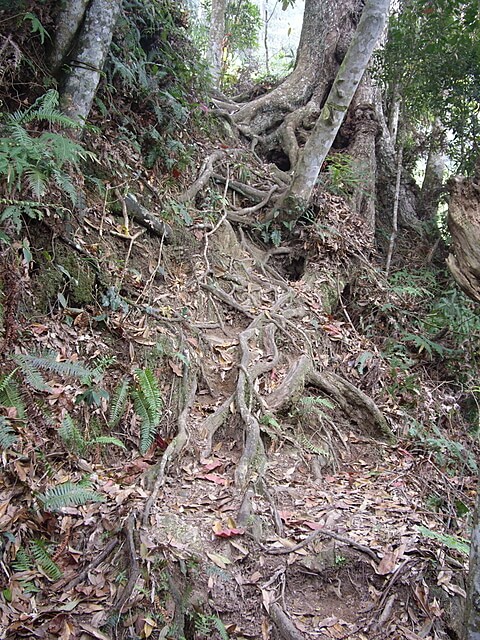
[206,173]
[328,534]
[132,564]
[356,404]
[78,579]
[285,626]
[174,448]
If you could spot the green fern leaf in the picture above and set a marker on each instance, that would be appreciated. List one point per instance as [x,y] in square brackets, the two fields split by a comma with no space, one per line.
[8,437]
[147,427]
[119,402]
[148,386]
[48,362]
[44,561]
[68,494]
[71,435]
[22,561]
[10,395]
[106,440]
[37,182]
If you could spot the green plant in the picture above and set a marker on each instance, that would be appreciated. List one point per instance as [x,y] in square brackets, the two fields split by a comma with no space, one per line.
[8,436]
[451,542]
[119,402]
[43,560]
[205,624]
[31,366]
[343,176]
[68,494]
[75,440]
[148,405]
[32,161]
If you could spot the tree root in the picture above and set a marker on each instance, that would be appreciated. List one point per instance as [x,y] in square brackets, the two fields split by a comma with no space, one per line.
[132,564]
[147,219]
[206,173]
[174,448]
[66,586]
[285,626]
[257,195]
[329,534]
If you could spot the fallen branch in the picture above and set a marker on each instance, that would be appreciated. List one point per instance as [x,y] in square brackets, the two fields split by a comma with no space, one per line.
[147,219]
[66,586]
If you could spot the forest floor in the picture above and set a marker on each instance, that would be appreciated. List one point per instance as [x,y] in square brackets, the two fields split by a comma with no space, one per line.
[284,495]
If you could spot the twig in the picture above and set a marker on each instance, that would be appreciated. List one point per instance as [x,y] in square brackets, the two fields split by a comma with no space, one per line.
[90,567]
[154,272]
[328,534]
[130,247]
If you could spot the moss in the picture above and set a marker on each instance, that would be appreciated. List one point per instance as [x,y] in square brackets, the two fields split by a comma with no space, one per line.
[66,273]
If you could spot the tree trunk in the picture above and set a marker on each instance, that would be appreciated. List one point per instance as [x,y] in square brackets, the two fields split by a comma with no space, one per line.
[472,606]
[434,171]
[278,118]
[464,226]
[217,34]
[68,23]
[363,122]
[344,87]
[90,53]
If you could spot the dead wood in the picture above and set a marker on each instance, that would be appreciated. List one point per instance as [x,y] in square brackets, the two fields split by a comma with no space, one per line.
[66,586]
[132,564]
[328,534]
[147,219]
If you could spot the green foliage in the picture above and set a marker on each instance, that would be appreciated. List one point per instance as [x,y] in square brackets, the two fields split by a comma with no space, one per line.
[36,26]
[451,542]
[154,66]
[10,395]
[23,561]
[68,494]
[343,175]
[34,162]
[433,56]
[41,555]
[119,402]
[205,624]
[8,436]
[32,365]
[75,440]
[148,406]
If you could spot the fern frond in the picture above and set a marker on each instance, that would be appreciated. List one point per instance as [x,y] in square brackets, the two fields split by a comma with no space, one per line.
[22,561]
[44,561]
[48,362]
[119,402]
[65,184]
[148,386]
[10,395]
[147,427]
[106,440]
[37,181]
[8,437]
[68,494]
[70,434]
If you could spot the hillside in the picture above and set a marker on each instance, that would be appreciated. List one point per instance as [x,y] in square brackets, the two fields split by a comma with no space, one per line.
[212,425]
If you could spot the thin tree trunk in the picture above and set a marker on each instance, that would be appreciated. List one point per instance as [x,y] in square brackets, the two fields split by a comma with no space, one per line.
[91,51]
[217,34]
[472,606]
[396,202]
[346,83]
[434,173]
[68,23]
[394,113]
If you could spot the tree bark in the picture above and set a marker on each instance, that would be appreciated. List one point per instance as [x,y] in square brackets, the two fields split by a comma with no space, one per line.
[68,23]
[91,50]
[217,34]
[276,118]
[434,172]
[472,605]
[346,83]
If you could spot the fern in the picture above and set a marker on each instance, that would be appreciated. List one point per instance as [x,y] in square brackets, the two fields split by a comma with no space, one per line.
[68,494]
[44,561]
[22,561]
[148,405]
[8,437]
[30,364]
[106,440]
[70,434]
[10,395]
[119,402]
